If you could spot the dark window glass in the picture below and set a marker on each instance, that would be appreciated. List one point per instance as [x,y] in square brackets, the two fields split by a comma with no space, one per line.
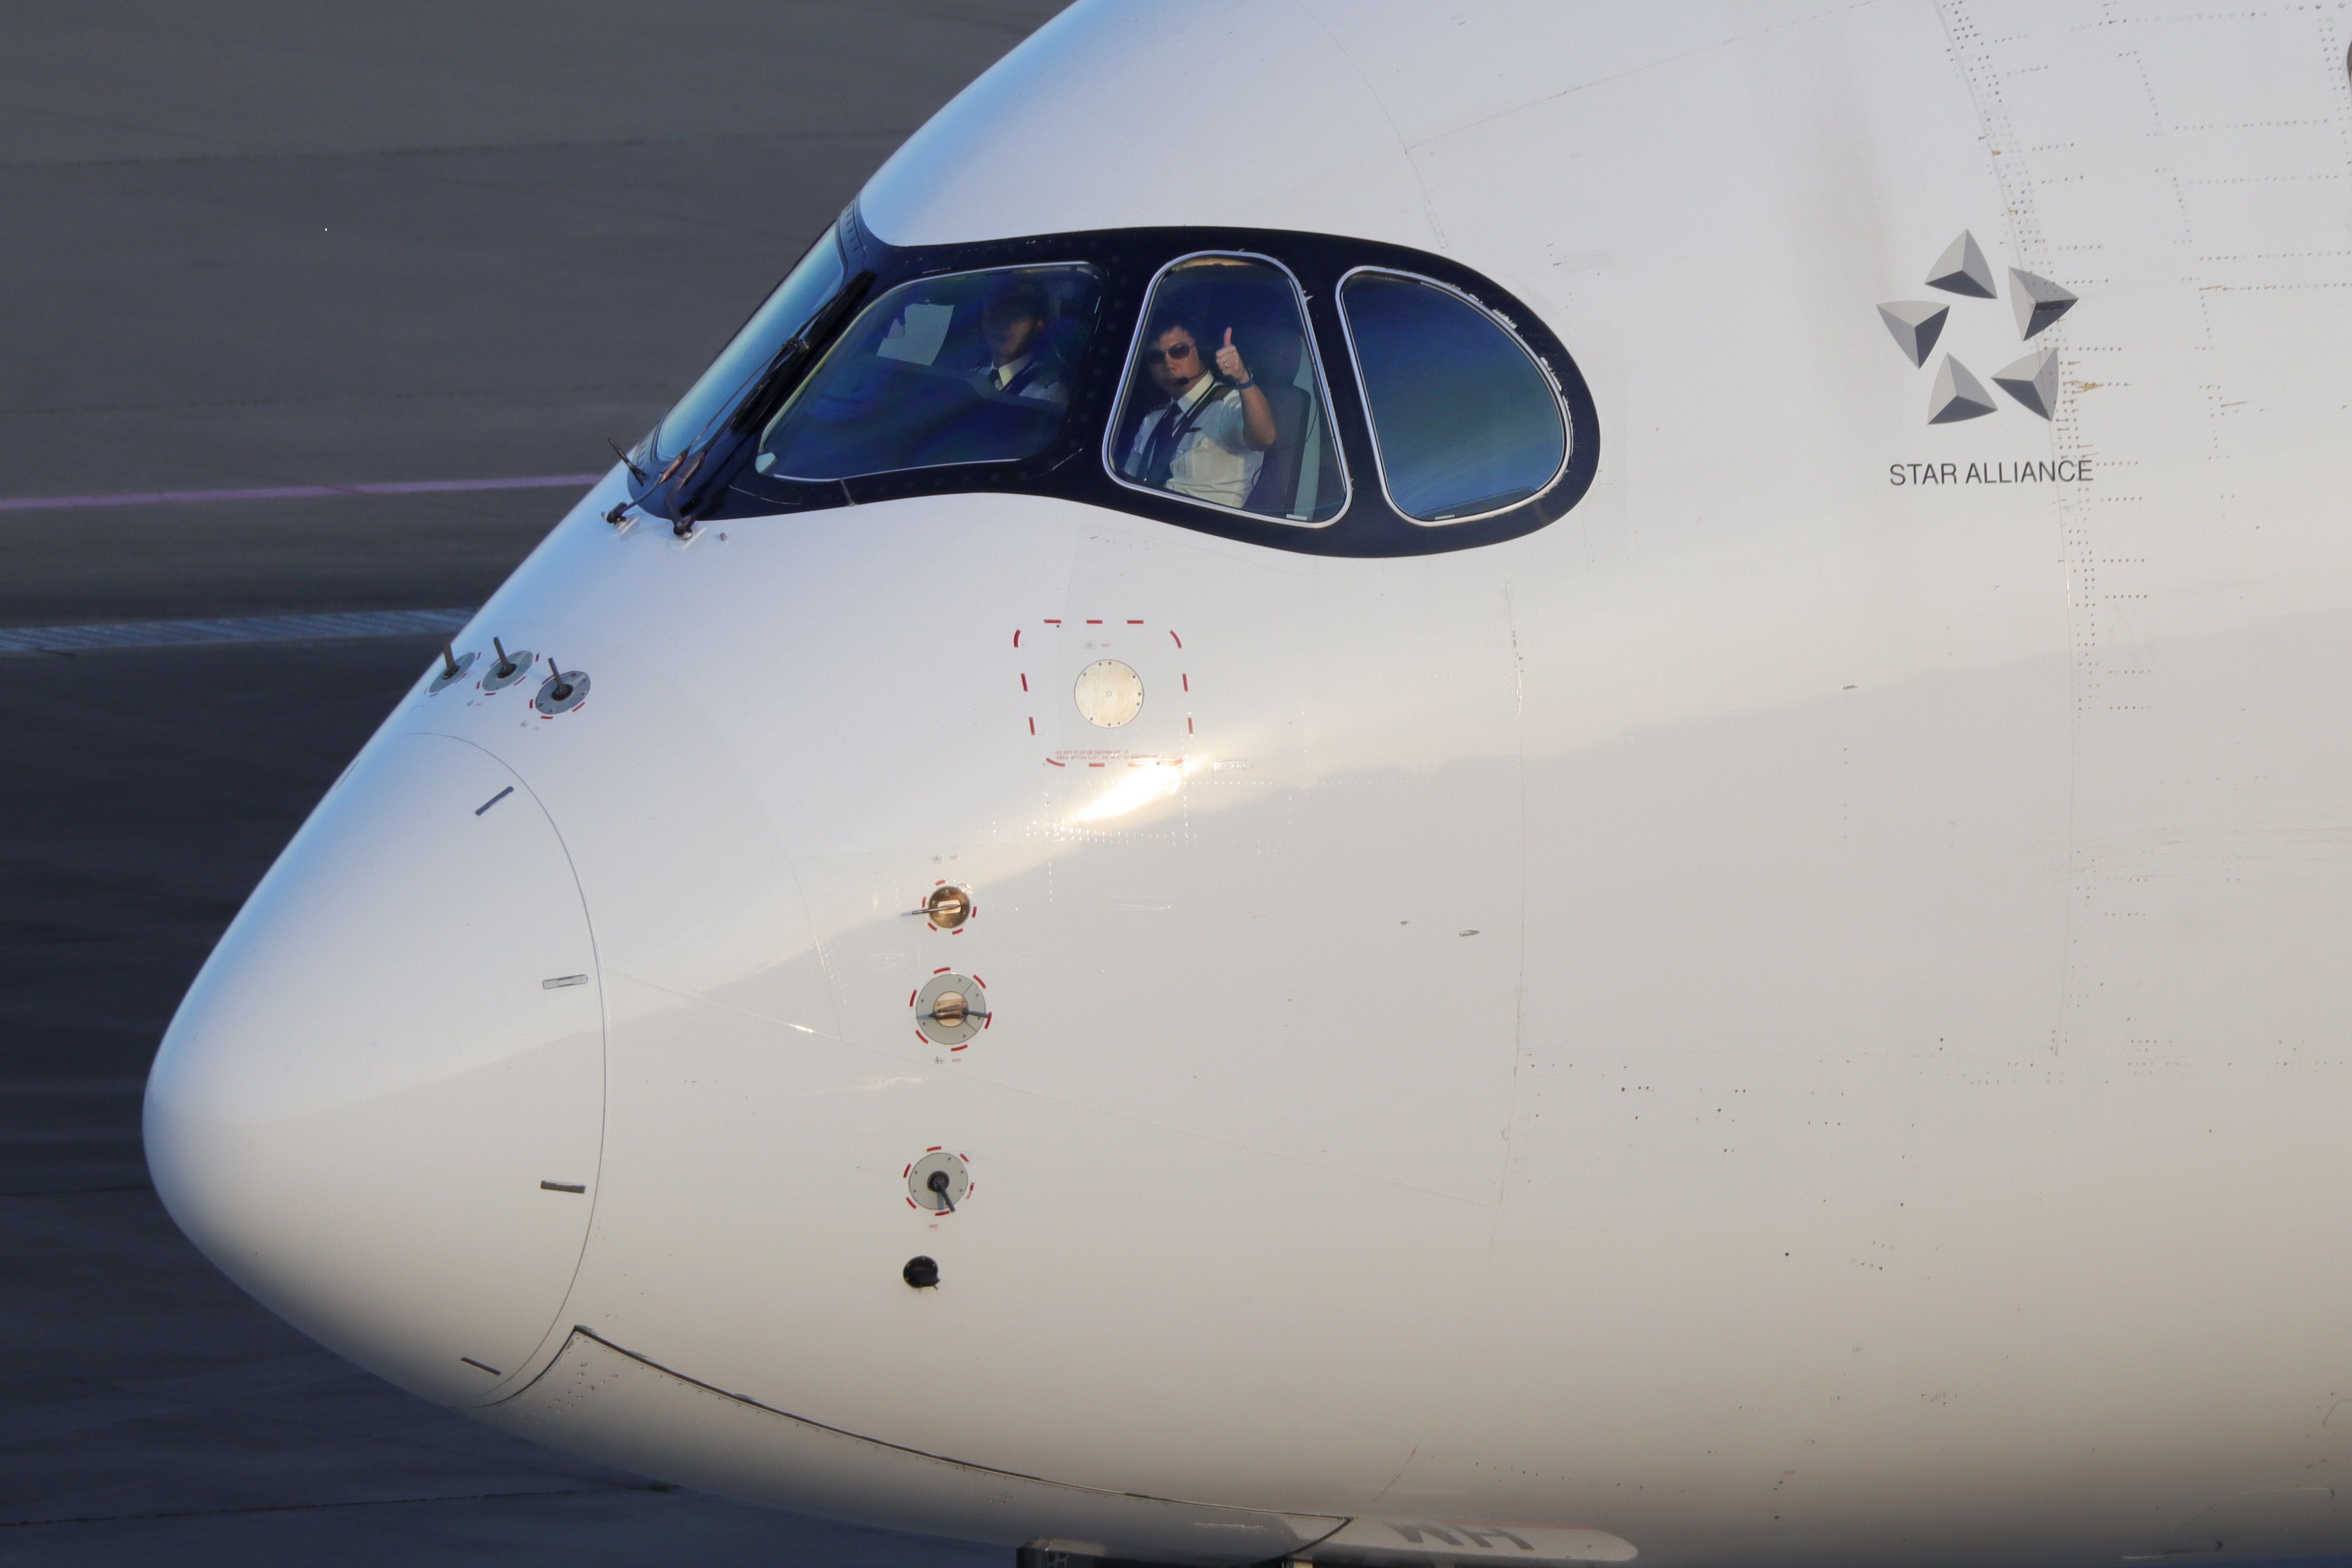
[970,368]
[814,281]
[1224,404]
[1465,422]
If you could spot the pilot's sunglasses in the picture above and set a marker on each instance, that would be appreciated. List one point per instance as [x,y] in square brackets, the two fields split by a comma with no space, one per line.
[1174,350]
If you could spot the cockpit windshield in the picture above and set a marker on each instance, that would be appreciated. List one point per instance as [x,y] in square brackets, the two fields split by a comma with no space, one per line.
[787,313]
[974,367]
[1311,393]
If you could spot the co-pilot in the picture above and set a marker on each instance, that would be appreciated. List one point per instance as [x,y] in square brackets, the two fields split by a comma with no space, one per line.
[1208,440]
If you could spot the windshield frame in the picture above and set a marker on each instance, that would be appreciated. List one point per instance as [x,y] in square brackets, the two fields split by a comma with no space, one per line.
[1364,390]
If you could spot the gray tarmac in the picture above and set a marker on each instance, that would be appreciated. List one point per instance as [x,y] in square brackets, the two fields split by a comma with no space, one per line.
[262,243]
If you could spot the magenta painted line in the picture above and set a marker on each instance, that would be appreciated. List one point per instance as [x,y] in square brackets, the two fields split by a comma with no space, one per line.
[301,492]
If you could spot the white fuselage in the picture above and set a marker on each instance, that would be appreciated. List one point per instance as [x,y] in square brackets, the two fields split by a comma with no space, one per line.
[1783,1017]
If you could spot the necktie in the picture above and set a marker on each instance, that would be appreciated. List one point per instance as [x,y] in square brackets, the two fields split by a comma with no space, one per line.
[1160,452]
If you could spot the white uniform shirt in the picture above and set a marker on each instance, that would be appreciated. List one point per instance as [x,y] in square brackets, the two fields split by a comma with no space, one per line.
[1214,461]
[1046,386]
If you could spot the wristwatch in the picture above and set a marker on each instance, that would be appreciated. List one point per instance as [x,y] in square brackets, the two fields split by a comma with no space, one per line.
[1244,385]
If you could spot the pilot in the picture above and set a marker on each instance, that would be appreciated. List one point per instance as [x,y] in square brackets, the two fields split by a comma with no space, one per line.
[1013,322]
[1209,438]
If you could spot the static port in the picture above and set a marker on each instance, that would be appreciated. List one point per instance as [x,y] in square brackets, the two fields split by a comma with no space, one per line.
[949,907]
[922,1273]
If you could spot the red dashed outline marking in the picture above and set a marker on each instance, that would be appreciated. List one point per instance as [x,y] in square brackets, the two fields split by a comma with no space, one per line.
[1182,676]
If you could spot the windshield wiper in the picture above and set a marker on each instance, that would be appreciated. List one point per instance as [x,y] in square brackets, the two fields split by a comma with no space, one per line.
[760,404]
[691,472]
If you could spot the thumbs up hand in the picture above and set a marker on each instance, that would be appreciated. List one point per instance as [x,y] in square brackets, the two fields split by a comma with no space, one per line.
[1229,360]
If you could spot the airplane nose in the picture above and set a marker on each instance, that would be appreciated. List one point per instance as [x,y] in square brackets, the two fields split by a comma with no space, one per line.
[380,1108]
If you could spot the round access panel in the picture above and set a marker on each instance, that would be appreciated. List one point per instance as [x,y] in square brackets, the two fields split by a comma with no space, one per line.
[927,1192]
[518,665]
[450,672]
[951,1009]
[561,693]
[1109,693]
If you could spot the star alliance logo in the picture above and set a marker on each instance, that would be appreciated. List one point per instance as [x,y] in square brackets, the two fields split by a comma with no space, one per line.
[2031,381]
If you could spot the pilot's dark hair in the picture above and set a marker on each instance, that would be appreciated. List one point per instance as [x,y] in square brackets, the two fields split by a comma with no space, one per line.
[1021,295]
[1176,316]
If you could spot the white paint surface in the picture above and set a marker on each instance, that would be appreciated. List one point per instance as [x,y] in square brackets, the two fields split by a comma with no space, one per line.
[1783,1018]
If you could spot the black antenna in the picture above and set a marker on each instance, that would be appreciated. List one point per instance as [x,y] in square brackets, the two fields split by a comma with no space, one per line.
[636,472]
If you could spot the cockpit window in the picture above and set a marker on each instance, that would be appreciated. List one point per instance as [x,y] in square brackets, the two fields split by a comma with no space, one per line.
[1168,374]
[815,279]
[1224,404]
[1465,422]
[975,367]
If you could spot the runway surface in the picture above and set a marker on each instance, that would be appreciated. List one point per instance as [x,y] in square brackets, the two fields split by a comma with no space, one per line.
[353,254]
